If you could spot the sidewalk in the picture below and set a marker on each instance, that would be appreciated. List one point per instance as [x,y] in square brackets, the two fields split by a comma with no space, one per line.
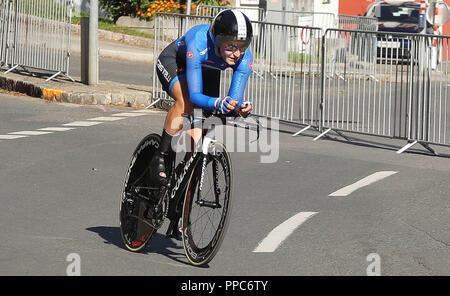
[61,89]
[117,46]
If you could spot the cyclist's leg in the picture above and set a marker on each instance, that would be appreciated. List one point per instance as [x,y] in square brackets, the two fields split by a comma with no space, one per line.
[211,87]
[172,125]
[179,92]
[171,75]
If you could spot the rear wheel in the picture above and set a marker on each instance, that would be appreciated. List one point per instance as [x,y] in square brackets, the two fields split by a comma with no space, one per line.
[137,210]
[207,206]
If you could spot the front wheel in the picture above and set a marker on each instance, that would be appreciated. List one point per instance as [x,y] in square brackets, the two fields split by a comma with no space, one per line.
[207,205]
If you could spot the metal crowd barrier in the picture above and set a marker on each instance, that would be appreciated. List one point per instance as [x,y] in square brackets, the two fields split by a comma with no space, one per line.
[285,82]
[378,84]
[4,29]
[353,22]
[253,13]
[404,98]
[286,76]
[429,102]
[167,28]
[36,34]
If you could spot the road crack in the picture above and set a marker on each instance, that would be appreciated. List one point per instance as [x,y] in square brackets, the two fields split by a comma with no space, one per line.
[427,233]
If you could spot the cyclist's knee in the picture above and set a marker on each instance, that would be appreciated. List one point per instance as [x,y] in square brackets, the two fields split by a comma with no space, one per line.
[183,104]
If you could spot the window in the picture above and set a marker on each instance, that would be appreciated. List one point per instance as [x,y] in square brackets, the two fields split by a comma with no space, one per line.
[404,14]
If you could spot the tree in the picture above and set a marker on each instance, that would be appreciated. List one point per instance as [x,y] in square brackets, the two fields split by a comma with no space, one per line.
[117,8]
[147,8]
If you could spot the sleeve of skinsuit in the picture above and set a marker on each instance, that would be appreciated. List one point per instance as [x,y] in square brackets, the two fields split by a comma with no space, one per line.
[240,77]
[194,45]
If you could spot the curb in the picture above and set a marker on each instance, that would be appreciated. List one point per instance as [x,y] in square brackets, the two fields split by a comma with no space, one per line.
[21,87]
[136,99]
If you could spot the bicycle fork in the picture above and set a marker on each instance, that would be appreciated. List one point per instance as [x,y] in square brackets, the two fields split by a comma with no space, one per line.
[208,141]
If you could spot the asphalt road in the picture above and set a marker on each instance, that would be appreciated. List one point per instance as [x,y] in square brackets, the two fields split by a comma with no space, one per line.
[60,196]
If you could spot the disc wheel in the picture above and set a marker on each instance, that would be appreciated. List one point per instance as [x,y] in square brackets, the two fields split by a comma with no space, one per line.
[137,198]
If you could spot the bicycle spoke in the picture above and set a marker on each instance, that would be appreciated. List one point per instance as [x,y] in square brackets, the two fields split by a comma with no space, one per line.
[207,210]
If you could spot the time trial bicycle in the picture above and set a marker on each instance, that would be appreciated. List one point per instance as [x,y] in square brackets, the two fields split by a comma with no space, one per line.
[198,194]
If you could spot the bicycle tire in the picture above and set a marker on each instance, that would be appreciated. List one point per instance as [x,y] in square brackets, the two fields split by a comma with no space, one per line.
[197,251]
[136,232]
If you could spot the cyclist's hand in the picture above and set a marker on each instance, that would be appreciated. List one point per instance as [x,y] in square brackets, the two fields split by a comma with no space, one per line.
[225,105]
[246,109]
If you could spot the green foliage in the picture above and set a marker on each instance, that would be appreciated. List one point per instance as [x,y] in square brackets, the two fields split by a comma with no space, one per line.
[208,2]
[117,8]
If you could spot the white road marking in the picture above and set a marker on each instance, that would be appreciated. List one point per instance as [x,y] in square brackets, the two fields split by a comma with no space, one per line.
[30,133]
[274,239]
[11,137]
[82,123]
[363,182]
[149,111]
[106,118]
[50,237]
[73,125]
[56,129]
[128,114]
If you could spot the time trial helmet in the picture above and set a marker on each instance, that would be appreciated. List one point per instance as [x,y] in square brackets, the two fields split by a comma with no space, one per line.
[231,25]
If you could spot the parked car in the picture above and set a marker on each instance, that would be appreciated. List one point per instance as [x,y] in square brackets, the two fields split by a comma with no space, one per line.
[402,17]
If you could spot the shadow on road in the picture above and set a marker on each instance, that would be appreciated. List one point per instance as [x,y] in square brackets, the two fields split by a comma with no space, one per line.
[159,243]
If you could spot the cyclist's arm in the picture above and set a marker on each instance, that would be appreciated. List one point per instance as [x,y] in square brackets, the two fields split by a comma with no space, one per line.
[194,78]
[240,77]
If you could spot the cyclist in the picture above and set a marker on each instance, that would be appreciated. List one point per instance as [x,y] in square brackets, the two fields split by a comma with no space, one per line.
[189,71]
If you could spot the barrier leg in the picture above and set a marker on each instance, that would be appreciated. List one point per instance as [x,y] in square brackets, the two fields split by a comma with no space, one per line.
[322,134]
[13,68]
[406,147]
[53,76]
[152,104]
[303,130]
[426,146]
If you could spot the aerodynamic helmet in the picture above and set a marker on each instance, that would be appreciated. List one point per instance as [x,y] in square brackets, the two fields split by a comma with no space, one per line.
[231,25]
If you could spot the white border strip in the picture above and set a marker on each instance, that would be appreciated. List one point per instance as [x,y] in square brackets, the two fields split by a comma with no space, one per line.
[242,25]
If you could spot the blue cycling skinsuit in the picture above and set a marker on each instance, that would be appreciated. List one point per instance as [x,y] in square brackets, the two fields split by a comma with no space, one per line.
[194,56]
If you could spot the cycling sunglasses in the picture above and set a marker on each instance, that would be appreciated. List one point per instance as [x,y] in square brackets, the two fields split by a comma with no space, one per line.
[234,47]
